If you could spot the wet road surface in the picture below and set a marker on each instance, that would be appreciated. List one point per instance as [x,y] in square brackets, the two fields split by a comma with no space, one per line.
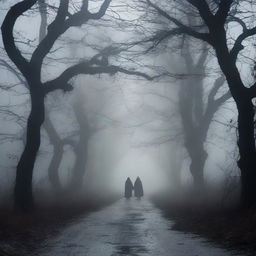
[127,227]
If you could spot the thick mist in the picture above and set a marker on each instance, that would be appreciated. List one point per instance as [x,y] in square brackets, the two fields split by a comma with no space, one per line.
[118,125]
[123,122]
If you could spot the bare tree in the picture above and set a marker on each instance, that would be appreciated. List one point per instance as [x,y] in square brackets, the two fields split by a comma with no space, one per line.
[31,70]
[57,142]
[215,16]
[81,150]
[197,115]
[55,139]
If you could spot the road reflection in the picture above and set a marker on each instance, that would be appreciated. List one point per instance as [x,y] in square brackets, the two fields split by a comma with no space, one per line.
[130,241]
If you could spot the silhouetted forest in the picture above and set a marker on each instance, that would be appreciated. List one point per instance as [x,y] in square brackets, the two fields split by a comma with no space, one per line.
[95,91]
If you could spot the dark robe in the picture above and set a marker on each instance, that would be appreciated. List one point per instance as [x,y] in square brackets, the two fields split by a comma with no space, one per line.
[128,188]
[138,189]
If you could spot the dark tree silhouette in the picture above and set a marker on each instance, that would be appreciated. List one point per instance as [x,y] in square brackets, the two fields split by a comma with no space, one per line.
[80,150]
[54,137]
[213,29]
[31,70]
[196,116]
[196,107]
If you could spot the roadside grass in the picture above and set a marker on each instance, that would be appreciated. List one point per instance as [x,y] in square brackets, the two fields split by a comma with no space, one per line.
[23,234]
[226,225]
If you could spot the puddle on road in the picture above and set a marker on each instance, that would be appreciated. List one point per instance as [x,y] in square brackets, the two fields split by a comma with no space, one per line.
[132,250]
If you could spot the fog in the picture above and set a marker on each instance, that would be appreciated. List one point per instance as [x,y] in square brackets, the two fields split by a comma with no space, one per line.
[123,122]
[132,126]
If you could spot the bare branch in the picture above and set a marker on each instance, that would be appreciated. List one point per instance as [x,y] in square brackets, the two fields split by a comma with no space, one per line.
[238,46]
[221,100]
[7,33]
[222,13]
[217,85]
[55,29]
[238,20]
[85,68]
[182,29]
[13,70]
[204,11]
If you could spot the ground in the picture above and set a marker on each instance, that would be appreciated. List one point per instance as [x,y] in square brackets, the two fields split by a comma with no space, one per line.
[22,234]
[227,225]
[127,227]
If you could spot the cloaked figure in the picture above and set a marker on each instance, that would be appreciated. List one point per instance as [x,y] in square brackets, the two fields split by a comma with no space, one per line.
[128,188]
[138,188]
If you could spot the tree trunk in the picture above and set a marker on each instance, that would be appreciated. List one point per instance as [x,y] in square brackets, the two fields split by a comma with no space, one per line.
[246,144]
[23,188]
[198,160]
[57,143]
[176,161]
[81,152]
[55,140]
[198,157]
[53,170]
[246,139]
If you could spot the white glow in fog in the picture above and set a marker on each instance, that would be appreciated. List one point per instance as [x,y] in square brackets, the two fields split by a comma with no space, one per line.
[136,164]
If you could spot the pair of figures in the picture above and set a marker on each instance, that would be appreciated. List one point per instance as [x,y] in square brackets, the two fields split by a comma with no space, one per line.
[138,189]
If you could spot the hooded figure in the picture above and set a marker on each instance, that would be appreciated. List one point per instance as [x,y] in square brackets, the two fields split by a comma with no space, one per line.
[138,189]
[128,188]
